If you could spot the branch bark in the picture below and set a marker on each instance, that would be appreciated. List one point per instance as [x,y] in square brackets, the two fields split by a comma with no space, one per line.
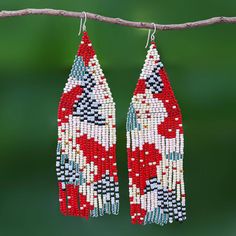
[118,21]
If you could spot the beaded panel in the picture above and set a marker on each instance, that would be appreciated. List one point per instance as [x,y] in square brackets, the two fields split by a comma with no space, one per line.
[86,159]
[155,145]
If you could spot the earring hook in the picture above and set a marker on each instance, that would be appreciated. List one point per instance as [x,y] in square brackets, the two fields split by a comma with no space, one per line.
[152,35]
[85,19]
[82,26]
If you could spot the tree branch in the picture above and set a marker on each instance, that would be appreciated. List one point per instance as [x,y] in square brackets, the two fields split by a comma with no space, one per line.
[118,21]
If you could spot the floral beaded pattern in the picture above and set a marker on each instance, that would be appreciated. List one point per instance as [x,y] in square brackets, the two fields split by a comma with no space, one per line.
[86,159]
[155,145]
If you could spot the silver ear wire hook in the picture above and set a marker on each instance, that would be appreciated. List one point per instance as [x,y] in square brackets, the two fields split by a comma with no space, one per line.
[149,31]
[85,19]
[82,26]
[152,36]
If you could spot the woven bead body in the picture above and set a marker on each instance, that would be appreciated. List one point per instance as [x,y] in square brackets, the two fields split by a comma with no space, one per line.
[155,144]
[86,158]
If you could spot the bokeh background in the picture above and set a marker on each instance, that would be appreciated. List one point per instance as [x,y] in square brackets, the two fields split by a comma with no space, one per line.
[36,54]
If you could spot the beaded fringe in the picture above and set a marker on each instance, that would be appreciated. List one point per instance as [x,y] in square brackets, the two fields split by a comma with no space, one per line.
[86,159]
[155,145]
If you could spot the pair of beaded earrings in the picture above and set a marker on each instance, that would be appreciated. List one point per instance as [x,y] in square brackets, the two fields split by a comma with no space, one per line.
[86,150]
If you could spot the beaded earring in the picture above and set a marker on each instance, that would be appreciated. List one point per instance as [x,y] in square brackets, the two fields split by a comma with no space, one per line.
[86,158]
[155,145]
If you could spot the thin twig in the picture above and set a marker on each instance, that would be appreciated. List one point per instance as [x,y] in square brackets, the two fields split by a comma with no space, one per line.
[118,21]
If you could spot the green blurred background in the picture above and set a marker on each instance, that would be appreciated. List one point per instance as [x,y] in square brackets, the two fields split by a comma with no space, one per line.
[36,54]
